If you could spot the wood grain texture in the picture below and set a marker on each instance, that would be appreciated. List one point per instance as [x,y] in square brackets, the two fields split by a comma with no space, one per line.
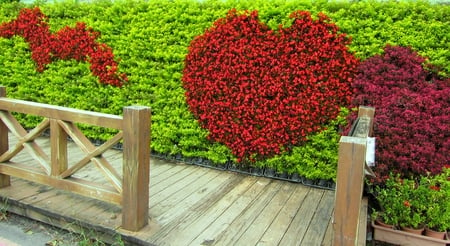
[4,144]
[136,167]
[350,209]
[188,205]
[61,113]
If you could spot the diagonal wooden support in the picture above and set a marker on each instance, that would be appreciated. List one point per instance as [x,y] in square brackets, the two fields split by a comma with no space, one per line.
[98,151]
[26,140]
[4,144]
[86,146]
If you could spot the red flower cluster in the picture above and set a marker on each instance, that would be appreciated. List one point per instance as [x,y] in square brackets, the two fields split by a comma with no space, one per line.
[68,43]
[261,91]
[413,112]
[406,203]
[435,187]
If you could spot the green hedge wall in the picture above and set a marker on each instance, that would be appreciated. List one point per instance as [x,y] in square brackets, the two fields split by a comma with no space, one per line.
[151,40]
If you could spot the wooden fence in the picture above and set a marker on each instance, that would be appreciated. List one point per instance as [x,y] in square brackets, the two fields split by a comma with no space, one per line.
[130,190]
[350,211]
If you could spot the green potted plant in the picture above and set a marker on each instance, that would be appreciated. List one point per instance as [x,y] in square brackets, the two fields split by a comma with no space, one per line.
[402,203]
[414,199]
[389,201]
[437,211]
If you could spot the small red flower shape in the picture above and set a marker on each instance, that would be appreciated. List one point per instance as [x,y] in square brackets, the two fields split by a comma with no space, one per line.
[77,43]
[407,203]
[436,188]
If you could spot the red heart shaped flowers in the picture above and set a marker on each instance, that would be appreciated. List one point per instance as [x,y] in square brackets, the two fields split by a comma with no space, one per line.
[261,91]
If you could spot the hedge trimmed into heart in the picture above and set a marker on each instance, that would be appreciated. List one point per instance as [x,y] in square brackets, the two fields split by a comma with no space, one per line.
[261,91]
[68,43]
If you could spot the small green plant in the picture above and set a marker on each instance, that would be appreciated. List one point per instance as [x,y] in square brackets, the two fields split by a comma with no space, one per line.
[88,237]
[4,210]
[415,202]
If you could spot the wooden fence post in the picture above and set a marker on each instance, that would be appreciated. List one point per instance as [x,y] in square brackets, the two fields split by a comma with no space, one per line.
[136,167]
[58,141]
[350,181]
[349,188]
[4,145]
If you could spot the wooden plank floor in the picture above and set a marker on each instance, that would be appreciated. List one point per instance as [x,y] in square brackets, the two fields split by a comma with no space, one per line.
[189,205]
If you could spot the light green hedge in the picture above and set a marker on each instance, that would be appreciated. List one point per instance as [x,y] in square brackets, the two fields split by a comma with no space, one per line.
[151,40]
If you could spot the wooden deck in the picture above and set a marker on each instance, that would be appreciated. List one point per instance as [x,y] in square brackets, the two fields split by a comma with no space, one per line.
[189,205]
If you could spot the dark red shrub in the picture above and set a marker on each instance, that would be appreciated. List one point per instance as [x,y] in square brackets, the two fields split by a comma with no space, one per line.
[68,43]
[412,122]
[261,91]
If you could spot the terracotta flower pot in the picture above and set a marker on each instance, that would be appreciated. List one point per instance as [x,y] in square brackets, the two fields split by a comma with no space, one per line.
[381,223]
[413,230]
[435,234]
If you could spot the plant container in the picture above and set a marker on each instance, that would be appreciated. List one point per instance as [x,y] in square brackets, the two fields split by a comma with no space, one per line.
[399,237]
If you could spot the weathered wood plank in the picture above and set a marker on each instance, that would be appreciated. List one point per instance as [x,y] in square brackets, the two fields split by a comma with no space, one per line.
[362,227]
[163,195]
[221,223]
[93,153]
[188,230]
[329,234]
[369,112]
[187,198]
[163,180]
[32,148]
[163,190]
[190,205]
[322,216]
[136,167]
[223,195]
[58,149]
[61,113]
[265,219]
[19,190]
[349,188]
[4,144]
[240,224]
[74,185]
[275,232]
[299,226]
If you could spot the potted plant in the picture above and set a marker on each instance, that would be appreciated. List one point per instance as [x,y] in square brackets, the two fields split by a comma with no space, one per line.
[390,203]
[402,203]
[437,211]
[414,200]
[415,203]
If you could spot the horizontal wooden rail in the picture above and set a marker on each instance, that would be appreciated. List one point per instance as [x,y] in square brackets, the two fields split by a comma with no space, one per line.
[131,190]
[62,113]
[350,208]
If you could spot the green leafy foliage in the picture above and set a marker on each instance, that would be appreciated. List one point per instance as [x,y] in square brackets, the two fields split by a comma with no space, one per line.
[150,40]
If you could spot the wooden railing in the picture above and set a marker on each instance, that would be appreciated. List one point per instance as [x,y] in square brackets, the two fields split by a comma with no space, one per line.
[350,211]
[130,190]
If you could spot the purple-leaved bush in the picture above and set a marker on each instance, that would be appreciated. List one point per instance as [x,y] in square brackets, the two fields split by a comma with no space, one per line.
[412,119]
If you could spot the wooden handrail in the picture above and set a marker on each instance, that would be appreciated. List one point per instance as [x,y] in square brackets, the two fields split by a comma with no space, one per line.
[350,181]
[131,190]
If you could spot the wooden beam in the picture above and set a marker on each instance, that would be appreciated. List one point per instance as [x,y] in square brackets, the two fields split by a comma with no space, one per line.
[61,113]
[58,143]
[369,112]
[349,189]
[350,207]
[75,185]
[4,144]
[136,167]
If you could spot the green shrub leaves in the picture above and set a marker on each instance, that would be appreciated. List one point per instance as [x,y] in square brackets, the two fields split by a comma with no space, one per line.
[151,39]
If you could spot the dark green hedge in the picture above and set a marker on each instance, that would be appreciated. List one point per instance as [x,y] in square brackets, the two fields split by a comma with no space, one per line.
[151,40]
